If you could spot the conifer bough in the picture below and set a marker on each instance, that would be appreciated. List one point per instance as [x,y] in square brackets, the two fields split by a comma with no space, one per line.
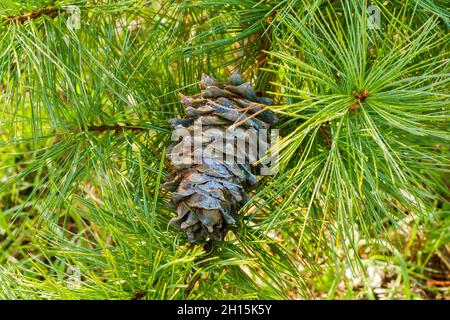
[209,194]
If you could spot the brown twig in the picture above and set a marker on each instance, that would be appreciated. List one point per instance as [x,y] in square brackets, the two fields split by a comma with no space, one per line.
[361,97]
[239,122]
[194,278]
[114,127]
[325,136]
[438,283]
[262,59]
[49,11]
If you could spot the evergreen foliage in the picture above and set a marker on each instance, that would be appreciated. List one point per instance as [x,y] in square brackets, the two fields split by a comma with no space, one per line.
[358,209]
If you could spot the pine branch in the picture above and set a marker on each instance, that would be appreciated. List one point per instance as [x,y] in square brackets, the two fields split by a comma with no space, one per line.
[114,127]
[326,136]
[50,12]
[194,278]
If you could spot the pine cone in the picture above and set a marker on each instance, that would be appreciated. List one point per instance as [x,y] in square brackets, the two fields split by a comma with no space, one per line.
[209,193]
